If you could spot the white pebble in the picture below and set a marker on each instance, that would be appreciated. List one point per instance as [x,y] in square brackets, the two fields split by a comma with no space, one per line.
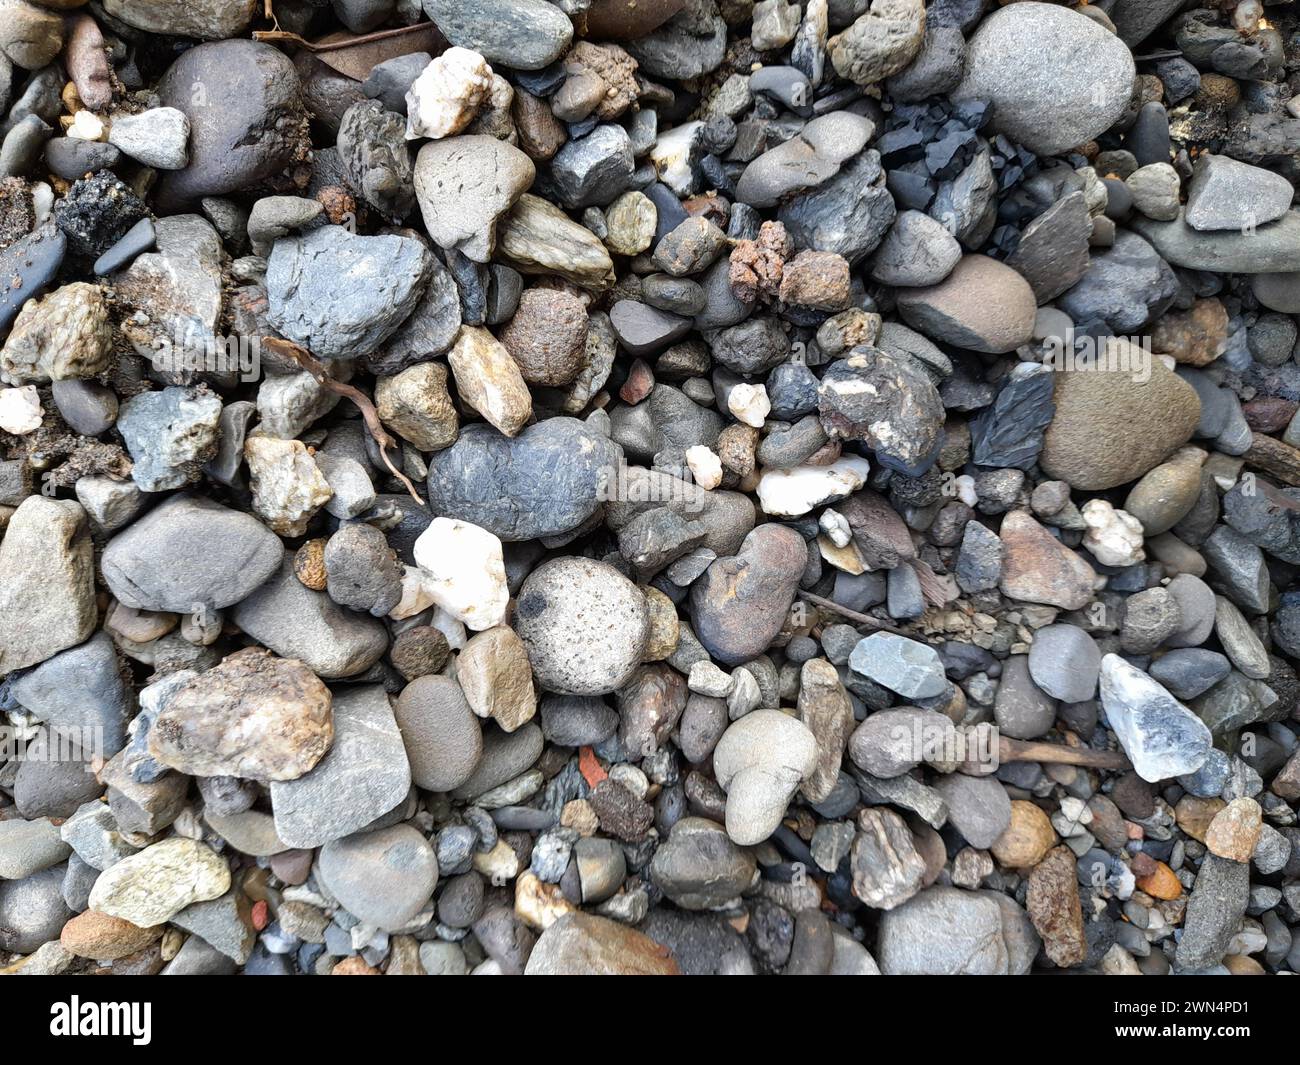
[836,526]
[705,466]
[467,574]
[797,491]
[20,410]
[749,404]
[448,94]
[1114,536]
[86,126]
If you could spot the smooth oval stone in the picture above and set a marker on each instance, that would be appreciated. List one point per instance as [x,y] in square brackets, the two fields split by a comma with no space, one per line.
[584,625]
[28,266]
[443,738]
[247,121]
[740,603]
[982,305]
[190,552]
[383,877]
[1071,85]
[88,407]
[1065,662]
[1141,421]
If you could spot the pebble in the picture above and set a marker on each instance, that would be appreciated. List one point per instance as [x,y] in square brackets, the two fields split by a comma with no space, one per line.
[1161,737]
[1151,418]
[982,305]
[560,608]
[806,160]
[741,601]
[465,185]
[1227,194]
[699,867]
[759,762]
[253,715]
[158,137]
[382,877]
[1072,87]
[1027,838]
[364,775]
[1038,568]
[341,295]
[224,110]
[520,34]
[152,886]
[586,944]
[910,668]
[447,95]
[944,931]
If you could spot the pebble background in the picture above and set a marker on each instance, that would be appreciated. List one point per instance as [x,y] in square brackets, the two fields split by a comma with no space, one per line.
[703,486]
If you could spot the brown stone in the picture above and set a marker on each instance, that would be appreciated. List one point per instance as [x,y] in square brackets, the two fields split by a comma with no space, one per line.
[1194,338]
[738,448]
[756,266]
[105,938]
[354,966]
[1053,905]
[1234,831]
[255,715]
[639,384]
[1038,568]
[621,813]
[625,20]
[1111,426]
[825,708]
[493,671]
[547,337]
[1194,815]
[1269,414]
[415,404]
[309,564]
[1287,782]
[1027,839]
[816,279]
[611,69]
[540,134]
[582,944]
[419,651]
[1162,883]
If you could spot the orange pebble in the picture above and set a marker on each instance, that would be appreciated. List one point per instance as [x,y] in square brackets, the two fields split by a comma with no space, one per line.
[261,914]
[1162,884]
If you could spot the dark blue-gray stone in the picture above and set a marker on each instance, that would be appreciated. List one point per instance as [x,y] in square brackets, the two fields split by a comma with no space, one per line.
[137,240]
[1189,671]
[546,481]
[1010,433]
[27,267]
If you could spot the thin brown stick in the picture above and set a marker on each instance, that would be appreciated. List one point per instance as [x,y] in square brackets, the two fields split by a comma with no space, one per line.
[374,426]
[861,619]
[1010,750]
[334,46]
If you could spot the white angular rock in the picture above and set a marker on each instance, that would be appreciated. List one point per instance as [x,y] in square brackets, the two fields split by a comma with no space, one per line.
[749,404]
[797,491]
[288,487]
[1114,536]
[1161,736]
[836,527]
[20,410]
[466,571]
[158,137]
[86,126]
[705,466]
[448,94]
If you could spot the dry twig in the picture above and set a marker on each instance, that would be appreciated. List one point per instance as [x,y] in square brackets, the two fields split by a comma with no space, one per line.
[374,426]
